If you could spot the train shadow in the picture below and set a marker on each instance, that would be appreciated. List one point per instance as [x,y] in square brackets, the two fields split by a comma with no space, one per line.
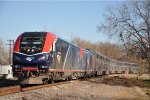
[120,81]
[8,82]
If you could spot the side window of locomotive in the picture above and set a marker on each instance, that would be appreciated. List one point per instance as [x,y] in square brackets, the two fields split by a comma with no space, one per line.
[58,53]
[61,50]
[64,49]
[58,46]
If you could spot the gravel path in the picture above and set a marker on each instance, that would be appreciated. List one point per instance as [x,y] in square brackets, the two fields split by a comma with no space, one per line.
[105,88]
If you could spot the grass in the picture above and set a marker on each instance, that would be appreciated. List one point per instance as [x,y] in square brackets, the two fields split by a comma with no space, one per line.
[146,83]
[142,83]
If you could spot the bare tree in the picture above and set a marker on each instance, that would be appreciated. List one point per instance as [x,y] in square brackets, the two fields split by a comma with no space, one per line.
[108,49]
[111,50]
[83,43]
[131,24]
[4,55]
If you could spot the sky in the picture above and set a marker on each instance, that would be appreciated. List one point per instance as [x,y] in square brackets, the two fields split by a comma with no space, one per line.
[66,19]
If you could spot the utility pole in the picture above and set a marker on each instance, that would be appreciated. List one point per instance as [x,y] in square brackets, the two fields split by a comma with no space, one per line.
[11,45]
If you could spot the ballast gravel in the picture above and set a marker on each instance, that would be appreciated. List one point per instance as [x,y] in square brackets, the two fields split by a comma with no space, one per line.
[91,89]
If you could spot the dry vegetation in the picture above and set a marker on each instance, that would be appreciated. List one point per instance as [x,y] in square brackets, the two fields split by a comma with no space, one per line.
[130,23]
[4,55]
[113,51]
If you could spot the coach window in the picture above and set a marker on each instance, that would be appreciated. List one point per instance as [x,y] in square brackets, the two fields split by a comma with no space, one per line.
[100,57]
[108,60]
[97,55]
[90,62]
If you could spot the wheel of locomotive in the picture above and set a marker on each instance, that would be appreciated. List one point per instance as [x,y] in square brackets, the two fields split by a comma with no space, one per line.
[45,81]
[68,78]
[51,81]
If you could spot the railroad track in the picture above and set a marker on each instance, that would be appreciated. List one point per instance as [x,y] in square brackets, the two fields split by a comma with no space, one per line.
[41,86]
[10,90]
[18,88]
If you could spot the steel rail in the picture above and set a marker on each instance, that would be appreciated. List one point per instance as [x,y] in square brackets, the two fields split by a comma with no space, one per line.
[18,88]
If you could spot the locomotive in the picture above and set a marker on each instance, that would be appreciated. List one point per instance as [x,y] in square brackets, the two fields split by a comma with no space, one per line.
[42,57]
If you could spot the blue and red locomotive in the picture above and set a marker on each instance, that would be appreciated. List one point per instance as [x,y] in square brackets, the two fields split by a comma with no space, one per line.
[41,57]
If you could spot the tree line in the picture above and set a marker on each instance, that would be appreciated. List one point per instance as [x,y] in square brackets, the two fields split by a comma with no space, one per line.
[130,23]
[4,54]
[108,49]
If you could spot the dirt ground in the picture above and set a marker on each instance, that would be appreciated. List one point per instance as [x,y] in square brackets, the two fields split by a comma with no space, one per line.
[112,87]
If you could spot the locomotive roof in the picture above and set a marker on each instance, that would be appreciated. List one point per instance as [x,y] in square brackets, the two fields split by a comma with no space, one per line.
[68,42]
[34,33]
[113,59]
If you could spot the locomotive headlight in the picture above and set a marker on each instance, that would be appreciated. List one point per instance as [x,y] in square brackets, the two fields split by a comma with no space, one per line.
[43,57]
[32,50]
[28,50]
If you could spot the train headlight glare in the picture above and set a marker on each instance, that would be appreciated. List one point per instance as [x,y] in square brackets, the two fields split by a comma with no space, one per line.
[32,50]
[28,50]
[42,58]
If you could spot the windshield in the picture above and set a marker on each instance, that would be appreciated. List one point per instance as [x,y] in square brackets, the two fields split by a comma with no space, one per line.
[32,43]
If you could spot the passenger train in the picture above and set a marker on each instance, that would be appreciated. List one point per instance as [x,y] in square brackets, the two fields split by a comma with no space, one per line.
[42,57]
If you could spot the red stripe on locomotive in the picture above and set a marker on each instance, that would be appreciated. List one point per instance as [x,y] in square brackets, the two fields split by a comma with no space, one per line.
[29,69]
[48,42]
[81,53]
[17,44]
